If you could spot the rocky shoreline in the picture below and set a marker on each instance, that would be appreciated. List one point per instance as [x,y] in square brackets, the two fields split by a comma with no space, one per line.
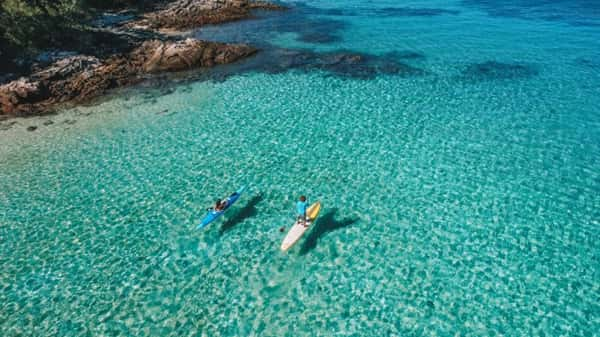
[186,14]
[74,79]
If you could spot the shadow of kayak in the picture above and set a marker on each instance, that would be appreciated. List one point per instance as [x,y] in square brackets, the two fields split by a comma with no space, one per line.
[246,212]
[324,224]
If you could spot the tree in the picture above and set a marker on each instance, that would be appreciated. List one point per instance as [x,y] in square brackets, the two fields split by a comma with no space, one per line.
[28,26]
[32,24]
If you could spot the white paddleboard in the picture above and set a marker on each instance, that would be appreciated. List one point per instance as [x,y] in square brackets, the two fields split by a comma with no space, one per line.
[298,228]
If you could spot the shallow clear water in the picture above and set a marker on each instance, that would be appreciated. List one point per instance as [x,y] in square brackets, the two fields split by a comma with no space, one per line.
[459,199]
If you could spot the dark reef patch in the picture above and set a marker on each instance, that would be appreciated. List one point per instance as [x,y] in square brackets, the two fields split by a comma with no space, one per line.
[341,64]
[493,70]
[316,30]
[316,37]
[300,19]
[310,28]
[311,24]
[347,64]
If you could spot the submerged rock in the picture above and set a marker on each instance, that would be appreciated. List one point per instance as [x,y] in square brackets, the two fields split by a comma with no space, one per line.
[17,96]
[6,125]
[343,64]
[493,70]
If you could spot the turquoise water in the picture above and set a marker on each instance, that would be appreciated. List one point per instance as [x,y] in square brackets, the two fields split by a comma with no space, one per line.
[458,167]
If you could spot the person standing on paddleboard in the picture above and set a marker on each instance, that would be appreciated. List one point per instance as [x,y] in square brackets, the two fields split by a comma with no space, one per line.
[301,206]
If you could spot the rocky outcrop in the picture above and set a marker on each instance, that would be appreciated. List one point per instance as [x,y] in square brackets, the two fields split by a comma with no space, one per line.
[158,56]
[123,57]
[36,92]
[185,14]
[79,78]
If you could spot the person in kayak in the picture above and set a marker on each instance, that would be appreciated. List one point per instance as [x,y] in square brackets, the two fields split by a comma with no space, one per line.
[301,206]
[220,205]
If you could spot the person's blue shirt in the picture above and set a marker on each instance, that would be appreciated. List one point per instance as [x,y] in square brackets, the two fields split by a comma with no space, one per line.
[301,207]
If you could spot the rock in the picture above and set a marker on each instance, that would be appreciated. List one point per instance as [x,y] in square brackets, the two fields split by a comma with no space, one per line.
[343,58]
[47,57]
[53,84]
[185,14]
[66,67]
[48,122]
[79,78]
[60,77]
[32,128]
[159,56]
[6,125]
[17,96]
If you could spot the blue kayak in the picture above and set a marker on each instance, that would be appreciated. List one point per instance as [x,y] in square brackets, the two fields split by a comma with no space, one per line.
[212,214]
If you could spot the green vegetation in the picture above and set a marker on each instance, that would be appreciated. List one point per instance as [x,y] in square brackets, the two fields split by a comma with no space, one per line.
[116,4]
[31,25]
[35,24]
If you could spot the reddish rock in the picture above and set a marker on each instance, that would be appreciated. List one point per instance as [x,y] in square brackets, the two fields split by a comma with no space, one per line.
[79,78]
[185,14]
[159,56]
[76,78]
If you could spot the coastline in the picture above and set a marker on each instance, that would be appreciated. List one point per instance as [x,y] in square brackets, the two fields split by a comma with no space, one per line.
[458,173]
[153,45]
[29,140]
